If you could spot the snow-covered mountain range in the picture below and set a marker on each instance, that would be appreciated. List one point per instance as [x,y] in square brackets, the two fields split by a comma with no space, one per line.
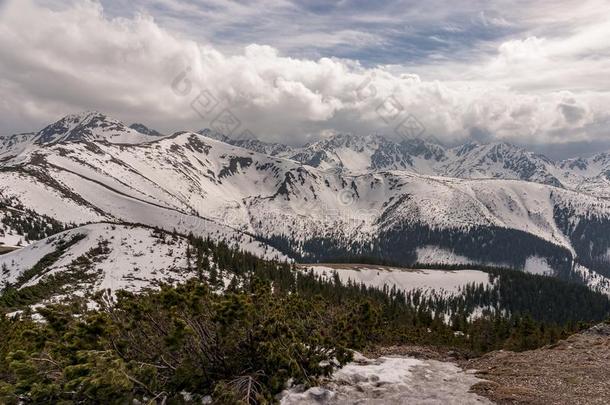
[355,154]
[344,197]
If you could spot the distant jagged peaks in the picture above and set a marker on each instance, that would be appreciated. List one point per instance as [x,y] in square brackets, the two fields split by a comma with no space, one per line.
[365,153]
[361,154]
[89,126]
[471,160]
[268,148]
[375,152]
[215,135]
[143,129]
[350,153]
[500,160]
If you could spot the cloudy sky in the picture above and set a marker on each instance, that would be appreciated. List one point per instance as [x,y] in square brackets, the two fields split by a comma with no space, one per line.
[532,73]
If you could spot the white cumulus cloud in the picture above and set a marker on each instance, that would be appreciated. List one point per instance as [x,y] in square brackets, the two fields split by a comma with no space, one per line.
[59,60]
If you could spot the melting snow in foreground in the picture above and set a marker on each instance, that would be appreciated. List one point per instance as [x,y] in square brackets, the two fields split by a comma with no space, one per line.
[392,380]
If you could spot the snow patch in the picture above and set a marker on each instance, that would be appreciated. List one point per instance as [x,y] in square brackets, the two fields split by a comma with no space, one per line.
[538,265]
[391,380]
[437,281]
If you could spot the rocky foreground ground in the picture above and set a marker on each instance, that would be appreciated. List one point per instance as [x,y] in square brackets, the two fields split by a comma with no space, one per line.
[573,371]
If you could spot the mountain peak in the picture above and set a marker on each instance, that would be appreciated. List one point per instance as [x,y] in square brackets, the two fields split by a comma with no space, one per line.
[89,126]
[349,140]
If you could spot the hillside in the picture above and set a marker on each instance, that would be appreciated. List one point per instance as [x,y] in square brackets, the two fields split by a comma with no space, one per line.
[92,258]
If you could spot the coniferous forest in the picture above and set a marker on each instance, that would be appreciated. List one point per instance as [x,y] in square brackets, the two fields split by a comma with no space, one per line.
[244,327]
[26,222]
